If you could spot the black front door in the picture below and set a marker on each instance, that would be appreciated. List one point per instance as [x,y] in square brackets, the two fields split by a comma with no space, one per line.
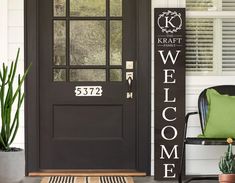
[87,87]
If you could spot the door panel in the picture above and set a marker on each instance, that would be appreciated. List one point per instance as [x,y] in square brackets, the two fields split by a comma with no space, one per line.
[87,44]
[104,126]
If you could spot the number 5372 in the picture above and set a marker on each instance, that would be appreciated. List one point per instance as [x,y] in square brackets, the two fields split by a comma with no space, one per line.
[83,91]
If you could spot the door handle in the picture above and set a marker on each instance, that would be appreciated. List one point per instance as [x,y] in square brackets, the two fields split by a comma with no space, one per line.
[129,82]
[129,79]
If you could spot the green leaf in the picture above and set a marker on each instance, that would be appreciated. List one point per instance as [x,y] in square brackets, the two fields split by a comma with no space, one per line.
[20,83]
[8,96]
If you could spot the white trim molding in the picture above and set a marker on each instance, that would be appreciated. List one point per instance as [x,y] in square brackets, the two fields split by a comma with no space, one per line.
[210,14]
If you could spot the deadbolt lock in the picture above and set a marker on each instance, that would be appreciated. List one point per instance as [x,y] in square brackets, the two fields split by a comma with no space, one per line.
[129,65]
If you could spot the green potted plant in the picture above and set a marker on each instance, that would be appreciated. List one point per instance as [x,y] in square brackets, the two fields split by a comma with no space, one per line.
[12,162]
[227,165]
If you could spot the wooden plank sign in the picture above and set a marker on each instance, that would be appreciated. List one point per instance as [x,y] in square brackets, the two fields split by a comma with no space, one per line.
[169,90]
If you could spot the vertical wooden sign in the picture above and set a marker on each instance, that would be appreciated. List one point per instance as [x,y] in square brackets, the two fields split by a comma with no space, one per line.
[169,90]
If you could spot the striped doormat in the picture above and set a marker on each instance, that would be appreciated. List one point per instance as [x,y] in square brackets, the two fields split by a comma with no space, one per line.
[69,179]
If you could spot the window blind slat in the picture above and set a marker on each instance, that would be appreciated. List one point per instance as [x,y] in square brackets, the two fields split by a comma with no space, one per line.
[228,5]
[228,44]
[199,45]
[198,5]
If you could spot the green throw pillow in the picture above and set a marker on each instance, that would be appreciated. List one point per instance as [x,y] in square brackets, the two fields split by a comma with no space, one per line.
[220,116]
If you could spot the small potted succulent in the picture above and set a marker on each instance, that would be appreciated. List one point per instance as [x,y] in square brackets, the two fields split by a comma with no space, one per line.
[12,162]
[227,165]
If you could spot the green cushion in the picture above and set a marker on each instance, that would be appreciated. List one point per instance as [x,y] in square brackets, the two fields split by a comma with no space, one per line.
[221,115]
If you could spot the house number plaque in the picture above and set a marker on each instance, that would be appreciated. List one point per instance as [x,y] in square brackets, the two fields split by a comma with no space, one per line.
[88,91]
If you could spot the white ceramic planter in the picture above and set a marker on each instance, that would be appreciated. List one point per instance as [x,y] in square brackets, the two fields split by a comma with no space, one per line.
[12,166]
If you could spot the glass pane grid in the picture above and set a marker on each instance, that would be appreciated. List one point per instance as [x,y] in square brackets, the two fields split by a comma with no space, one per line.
[106,68]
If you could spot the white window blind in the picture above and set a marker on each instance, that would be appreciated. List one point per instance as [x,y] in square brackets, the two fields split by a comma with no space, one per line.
[199,45]
[228,45]
[228,5]
[199,5]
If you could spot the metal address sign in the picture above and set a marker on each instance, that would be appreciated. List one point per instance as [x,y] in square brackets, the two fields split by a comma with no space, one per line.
[169,90]
[88,91]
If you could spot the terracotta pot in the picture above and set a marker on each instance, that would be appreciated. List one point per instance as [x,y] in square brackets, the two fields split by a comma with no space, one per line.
[227,178]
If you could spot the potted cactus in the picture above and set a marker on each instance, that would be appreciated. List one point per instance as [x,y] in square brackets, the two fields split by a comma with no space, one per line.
[11,98]
[227,165]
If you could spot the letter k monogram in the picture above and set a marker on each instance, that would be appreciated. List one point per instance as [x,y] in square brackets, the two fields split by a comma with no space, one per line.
[169,22]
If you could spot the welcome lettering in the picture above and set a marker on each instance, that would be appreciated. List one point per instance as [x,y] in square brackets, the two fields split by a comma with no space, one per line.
[169,79]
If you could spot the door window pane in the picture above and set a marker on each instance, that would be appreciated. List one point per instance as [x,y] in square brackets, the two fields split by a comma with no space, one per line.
[115,74]
[59,43]
[115,7]
[59,7]
[115,42]
[87,75]
[87,43]
[88,8]
[59,75]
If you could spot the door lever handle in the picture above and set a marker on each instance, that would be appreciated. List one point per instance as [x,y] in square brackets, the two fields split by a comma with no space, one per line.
[129,79]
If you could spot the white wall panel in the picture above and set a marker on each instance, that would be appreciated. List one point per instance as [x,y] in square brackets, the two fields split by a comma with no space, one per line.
[3,30]
[205,152]
[16,35]
[159,3]
[173,3]
[16,18]
[15,39]
[15,4]
[201,167]
[12,50]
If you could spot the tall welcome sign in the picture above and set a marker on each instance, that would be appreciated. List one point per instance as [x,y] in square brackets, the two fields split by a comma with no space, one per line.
[169,90]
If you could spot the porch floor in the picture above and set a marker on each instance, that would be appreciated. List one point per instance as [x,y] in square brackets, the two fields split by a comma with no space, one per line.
[137,180]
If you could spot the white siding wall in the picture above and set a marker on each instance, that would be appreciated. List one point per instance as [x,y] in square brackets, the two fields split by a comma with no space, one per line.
[11,36]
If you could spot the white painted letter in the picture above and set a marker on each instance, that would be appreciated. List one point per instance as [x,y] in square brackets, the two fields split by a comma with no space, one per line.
[164,113]
[175,132]
[174,150]
[165,59]
[169,22]
[167,96]
[168,169]
[170,75]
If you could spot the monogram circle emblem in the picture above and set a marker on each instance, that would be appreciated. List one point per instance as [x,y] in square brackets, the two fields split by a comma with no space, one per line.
[169,21]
